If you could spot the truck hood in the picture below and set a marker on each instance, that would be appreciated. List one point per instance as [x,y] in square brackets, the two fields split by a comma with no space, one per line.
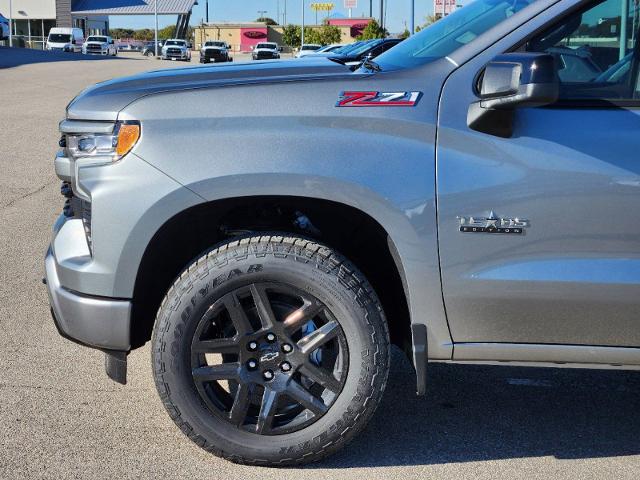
[105,100]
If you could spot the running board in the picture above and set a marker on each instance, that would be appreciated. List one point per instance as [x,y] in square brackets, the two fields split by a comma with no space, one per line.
[550,355]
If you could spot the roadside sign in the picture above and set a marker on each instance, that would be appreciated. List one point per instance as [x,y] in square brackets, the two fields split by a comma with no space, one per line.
[350,3]
[443,7]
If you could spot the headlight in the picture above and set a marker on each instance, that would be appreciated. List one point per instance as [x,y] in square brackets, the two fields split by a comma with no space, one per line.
[108,147]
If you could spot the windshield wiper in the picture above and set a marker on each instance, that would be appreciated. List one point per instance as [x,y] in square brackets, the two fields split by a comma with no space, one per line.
[337,60]
[371,65]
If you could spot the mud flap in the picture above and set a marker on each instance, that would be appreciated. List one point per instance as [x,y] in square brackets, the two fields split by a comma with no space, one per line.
[115,364]
[419,339]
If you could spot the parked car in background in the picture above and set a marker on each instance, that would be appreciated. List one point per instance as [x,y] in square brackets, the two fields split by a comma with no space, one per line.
[308,49]
[99,45]
[4,27]
[150,49]
[265,51]
[129,47]
[215,51]
[340,49]
[328,48]
[370,49]
[65,39]
[176,49]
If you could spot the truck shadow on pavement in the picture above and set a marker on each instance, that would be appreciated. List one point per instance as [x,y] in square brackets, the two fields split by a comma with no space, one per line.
[14,57]
[477,413]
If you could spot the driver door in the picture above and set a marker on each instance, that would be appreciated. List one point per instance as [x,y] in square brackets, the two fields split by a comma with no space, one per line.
[572,170]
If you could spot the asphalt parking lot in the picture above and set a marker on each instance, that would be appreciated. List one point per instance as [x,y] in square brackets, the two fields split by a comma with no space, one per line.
[60,417]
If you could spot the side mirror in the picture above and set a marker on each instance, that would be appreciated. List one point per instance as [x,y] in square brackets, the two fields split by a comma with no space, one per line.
[73,42]
[281,49]
[510,81]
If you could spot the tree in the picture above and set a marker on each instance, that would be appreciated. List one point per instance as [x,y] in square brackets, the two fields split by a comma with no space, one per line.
[373,30]
[405,34]
[145,34]
[325,35]
[430,20]
[291,35]
[329,34]
[166,32]
[267,20]
[121,33]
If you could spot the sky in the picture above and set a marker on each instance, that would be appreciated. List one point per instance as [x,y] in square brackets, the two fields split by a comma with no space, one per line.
[398,12]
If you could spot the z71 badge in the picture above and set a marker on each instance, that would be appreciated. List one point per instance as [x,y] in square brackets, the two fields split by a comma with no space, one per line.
[378,99]
[493,224]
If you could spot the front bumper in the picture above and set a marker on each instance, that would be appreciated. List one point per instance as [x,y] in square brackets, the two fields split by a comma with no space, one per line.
[175,55]
[98,322]
[266,56]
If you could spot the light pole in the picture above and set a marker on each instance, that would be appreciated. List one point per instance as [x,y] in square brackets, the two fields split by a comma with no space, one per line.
[302,30]
[412,23]
[155,12]
[11,24]
[207,12]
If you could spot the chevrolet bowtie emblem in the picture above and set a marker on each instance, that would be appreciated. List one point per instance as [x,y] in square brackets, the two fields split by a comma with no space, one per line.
[493,224]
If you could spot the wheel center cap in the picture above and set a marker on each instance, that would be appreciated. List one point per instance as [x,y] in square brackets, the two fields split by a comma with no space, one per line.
[269,352]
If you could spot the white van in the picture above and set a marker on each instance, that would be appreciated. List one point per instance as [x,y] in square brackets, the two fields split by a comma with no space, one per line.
[65,39]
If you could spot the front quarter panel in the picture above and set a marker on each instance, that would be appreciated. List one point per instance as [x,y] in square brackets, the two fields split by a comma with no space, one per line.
[290,138]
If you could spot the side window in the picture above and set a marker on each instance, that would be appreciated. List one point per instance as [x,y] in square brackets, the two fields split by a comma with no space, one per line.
[377,51]
[389,45]
[596,50]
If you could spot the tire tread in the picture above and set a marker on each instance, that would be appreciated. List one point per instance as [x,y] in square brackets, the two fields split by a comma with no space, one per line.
[302,250]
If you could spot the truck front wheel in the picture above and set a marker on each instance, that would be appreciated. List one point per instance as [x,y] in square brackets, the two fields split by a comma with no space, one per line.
[271,350]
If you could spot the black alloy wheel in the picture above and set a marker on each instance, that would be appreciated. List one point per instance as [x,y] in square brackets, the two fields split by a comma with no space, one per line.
[269,358]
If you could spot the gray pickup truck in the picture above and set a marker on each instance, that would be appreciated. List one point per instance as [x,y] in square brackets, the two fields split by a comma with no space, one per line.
[273,228]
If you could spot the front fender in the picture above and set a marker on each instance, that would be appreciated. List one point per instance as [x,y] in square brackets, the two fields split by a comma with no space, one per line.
[289,138]
[411,231]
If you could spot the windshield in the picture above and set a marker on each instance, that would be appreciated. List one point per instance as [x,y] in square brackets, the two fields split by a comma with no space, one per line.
[180,43]
[59,38]
[364,47]
[97,39]
[348,48]
[214,44]
[450,33]
[270,46]
[329,48]
[310,47]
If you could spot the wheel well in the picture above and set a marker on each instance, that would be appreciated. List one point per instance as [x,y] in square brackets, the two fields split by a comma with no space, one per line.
[346,229]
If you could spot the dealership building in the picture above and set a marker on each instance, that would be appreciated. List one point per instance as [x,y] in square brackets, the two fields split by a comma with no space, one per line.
[243,36]
[32,19]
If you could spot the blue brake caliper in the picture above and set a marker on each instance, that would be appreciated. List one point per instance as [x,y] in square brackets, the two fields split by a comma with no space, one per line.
[316,356]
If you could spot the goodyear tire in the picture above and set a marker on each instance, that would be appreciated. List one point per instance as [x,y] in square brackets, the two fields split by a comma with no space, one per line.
[271,350]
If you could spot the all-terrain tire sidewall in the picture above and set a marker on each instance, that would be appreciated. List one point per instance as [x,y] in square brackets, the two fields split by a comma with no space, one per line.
[311,268]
